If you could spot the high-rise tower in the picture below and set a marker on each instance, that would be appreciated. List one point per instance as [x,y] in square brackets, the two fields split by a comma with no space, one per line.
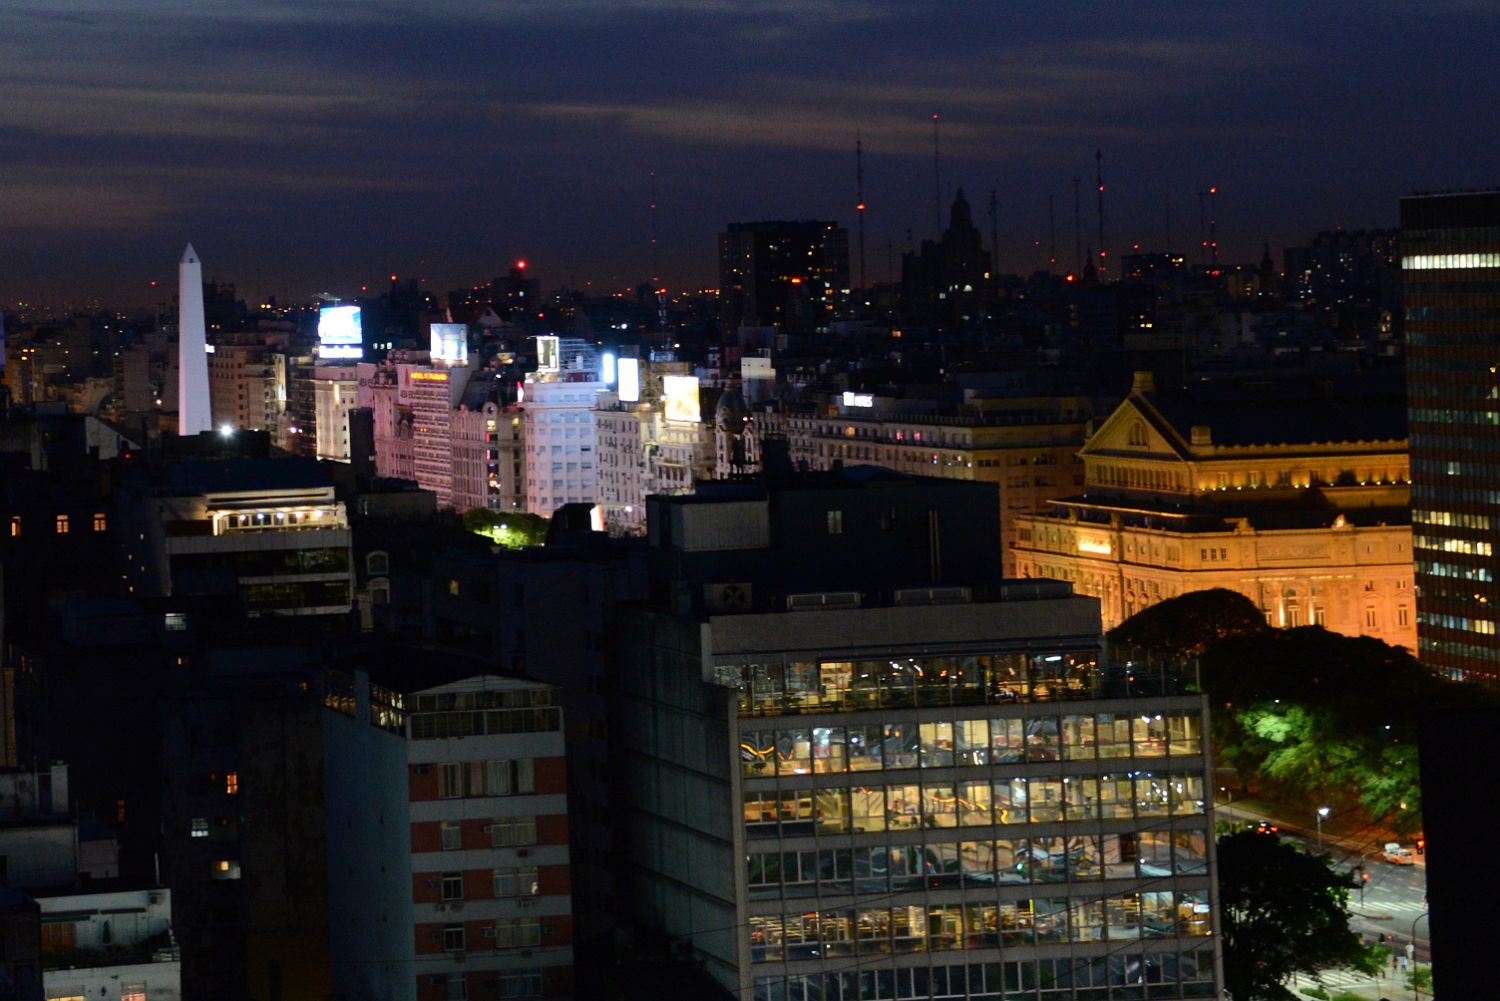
[1450,260]
[193,414]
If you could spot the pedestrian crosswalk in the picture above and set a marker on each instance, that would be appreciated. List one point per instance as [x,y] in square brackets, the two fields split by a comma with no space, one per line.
[1336,980]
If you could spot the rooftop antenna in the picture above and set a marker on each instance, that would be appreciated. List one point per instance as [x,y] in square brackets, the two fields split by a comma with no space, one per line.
[655,276]
[1052,230]
[994,233]
[1213,225]
[1099,180]
[1077,228]
[1202,238]
[937,177]
[1166,208]
[859,182]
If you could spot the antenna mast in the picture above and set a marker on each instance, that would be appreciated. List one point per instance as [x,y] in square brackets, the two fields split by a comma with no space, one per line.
[655,276]
[1052,230]
[1099,180]
[1077,229]
[937,177]
[994,233]
[1213,225]
[1202,239]
[859,182]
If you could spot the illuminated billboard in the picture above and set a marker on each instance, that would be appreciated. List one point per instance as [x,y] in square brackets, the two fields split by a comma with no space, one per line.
[629,371]
[450,343]
[339,333]
[607,368]
[681,393]
[548,354]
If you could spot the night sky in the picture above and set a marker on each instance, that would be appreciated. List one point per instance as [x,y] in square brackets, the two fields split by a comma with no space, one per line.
[322,144]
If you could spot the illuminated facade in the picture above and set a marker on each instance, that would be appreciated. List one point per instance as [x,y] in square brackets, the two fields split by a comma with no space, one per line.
[247,386]
[560,441]
[491,900]
[1293,501]
[335,390]
[922,799]
[488,452]
[270,529]
[1451,265]
[1026,446]
[193,407]
[657,446]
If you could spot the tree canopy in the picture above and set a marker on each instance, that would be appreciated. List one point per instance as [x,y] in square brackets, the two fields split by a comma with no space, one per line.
[514,529]
[1188,625]
[1283,911]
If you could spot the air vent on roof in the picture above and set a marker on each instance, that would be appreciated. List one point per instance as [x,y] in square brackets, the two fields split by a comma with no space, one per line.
[933,596]
[720,599]
[822,600]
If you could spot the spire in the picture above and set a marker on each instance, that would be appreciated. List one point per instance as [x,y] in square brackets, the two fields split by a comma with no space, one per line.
[189,256]
[961,217]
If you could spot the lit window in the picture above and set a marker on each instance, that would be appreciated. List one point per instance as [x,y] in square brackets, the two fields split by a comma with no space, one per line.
[62,524]
[100,522]
[232,784]
[133,992]
[452,835]
[835,523]
[453,587]
[15,527]
[200,827]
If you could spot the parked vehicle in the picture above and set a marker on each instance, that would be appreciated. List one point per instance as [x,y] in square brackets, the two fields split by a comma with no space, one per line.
[1397,855]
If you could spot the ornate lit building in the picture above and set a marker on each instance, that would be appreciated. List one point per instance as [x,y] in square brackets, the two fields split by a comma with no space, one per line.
[1294,495]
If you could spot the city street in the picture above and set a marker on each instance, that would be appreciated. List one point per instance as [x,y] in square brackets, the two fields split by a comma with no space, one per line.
[1393,901]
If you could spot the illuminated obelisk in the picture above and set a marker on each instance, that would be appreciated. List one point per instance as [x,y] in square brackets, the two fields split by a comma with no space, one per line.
[193,414]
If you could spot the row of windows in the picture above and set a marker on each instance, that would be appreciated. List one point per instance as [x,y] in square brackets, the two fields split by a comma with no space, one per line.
[779,688]
[1480,627]
[877,746]
[1448,417]
[1469,547]
[831,872]
[862,809]
[457,780]
[439,726]
[61,524]
[515,882]
[1454,571]
[1451,519]
[1159,974]
[504,832]
[1126,917]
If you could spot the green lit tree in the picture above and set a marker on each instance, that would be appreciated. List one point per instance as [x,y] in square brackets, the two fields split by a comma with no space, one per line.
[1283,912]
[515,529]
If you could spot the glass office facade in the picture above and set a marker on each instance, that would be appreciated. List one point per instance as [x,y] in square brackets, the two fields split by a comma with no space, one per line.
[1451,275]
[968,826]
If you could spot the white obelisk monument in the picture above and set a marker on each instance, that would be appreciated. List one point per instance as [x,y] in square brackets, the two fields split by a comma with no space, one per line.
[193,414]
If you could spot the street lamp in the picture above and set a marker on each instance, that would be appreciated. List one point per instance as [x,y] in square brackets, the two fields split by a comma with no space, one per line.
[1230,793]
[1413,940]
[1323,811]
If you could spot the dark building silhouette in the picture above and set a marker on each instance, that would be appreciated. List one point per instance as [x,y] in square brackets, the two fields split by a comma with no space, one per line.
[1450,253]
[790,275]
[947,283]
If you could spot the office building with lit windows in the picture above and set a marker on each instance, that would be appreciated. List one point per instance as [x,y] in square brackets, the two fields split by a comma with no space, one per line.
[872,790]
[1450,247]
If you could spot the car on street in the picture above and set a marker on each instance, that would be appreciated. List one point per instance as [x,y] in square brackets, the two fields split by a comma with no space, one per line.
[1395,854]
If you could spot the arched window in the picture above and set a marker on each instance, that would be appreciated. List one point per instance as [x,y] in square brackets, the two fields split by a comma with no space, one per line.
[377,564]
[1138,434]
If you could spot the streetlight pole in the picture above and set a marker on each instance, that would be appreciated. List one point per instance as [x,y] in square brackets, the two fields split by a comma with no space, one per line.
[1323,811]
[1230,793]
[1415,992]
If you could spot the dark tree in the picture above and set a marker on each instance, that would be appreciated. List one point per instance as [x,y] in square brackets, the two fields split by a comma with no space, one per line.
[1283,912]
[1188,625]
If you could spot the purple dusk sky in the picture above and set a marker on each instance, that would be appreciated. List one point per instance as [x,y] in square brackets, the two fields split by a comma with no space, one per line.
[323,144]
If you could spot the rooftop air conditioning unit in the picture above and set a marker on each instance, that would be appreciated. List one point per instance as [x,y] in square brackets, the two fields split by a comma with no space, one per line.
[933,595]
[822,600]
[722,599]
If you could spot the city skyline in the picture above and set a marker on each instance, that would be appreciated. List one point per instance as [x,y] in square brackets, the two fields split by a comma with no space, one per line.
[313,148]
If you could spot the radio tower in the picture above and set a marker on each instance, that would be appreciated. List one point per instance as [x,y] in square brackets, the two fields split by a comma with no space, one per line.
[1077,229]
[994,233]
[1213,225]
[859,206]
[1052,232]
[937,177]
[1202,238]
[1099,180]
[655,276]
